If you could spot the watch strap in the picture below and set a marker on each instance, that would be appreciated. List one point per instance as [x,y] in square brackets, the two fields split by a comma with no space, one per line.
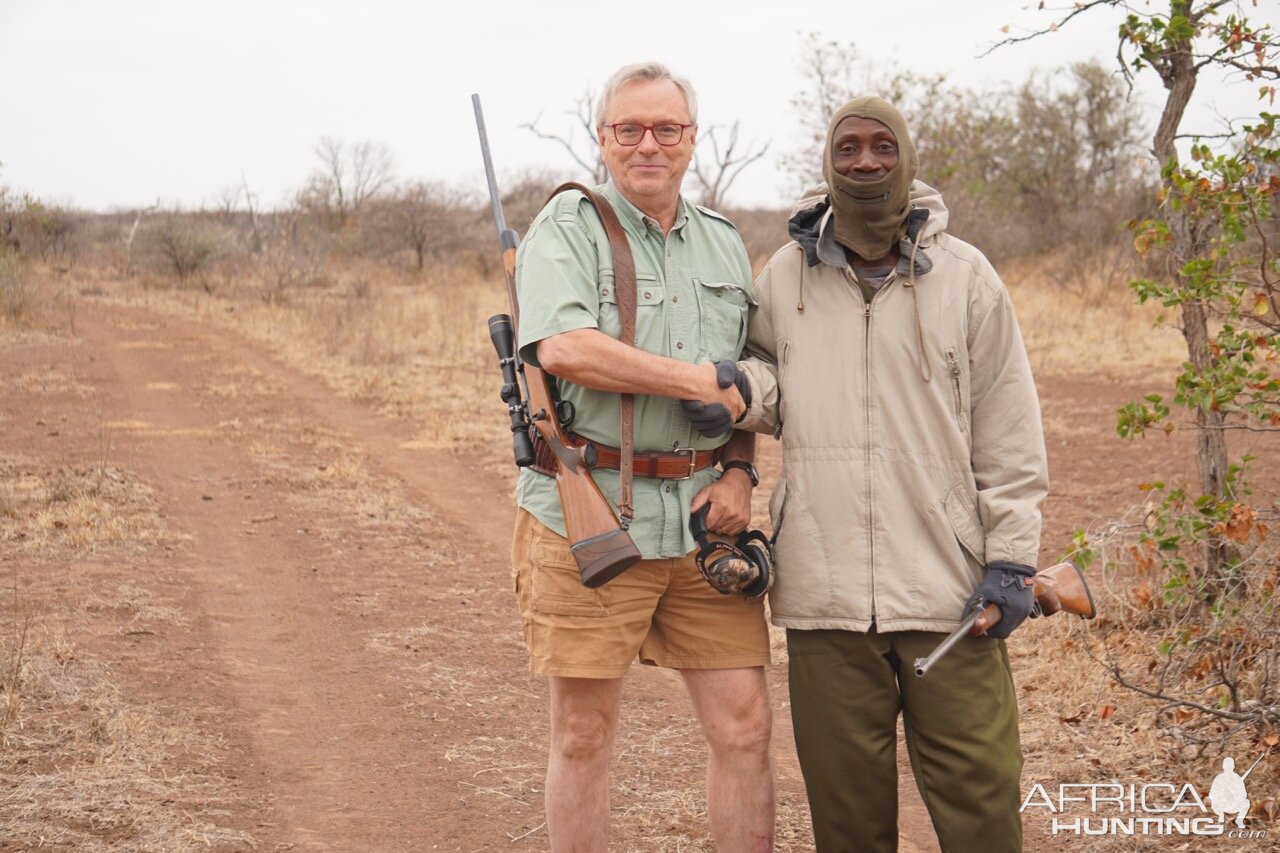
[745,466]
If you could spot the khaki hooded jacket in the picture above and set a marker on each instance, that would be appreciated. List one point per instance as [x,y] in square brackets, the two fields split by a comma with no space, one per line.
[912,448]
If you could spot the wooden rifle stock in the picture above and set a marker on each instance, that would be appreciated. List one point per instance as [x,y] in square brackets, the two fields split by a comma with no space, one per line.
[601,546]
[1060,587]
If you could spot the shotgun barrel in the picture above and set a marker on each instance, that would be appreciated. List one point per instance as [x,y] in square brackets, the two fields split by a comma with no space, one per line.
[1059,587]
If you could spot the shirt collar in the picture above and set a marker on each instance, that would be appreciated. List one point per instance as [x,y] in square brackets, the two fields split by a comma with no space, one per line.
[636,222]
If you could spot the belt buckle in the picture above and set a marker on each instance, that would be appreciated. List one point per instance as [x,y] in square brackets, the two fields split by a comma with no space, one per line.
[693,461]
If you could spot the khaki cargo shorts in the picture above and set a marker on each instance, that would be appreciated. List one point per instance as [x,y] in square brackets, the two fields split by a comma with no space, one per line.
[662,611]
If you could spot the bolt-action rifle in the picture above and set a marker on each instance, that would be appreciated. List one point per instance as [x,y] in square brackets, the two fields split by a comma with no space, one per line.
[601,546]
[1060,587]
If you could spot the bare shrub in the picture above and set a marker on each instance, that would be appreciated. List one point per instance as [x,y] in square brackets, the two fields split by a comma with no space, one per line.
[432,220]
[292,256]
[17,291]
[1204,648]
[185,244]
[347,179]
[48,232]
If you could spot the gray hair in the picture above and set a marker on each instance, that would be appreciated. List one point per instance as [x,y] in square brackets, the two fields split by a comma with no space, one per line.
[648,72]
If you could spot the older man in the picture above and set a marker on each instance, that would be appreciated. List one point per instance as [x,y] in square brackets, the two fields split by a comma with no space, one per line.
[887,355]
[693,292]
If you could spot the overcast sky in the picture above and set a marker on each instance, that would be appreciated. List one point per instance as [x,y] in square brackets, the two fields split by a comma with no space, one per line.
[115,104]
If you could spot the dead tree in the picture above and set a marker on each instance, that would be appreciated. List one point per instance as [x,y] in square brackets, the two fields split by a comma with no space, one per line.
[133,232]
[586,153]
[348,177]
[717,172]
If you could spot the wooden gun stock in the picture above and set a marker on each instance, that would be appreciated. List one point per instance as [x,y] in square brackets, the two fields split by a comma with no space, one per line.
[1060,587]
[1056,588]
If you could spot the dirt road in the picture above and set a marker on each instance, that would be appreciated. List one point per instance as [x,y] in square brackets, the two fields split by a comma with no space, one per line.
[339,609]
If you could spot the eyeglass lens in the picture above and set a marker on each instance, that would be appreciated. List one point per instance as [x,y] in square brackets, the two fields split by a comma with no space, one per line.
[631,134]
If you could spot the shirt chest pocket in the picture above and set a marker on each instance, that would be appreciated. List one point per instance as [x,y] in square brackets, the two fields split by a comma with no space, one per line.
[722,308]
[649,298]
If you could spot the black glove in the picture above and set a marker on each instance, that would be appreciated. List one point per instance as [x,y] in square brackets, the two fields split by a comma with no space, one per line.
[1008,586]
[712,419]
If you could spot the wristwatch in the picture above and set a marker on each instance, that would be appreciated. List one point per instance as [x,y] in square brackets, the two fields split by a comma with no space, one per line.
[745,466]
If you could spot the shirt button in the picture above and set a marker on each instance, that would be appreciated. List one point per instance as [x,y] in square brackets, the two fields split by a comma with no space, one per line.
[648,295]
[675,299]
[679,344]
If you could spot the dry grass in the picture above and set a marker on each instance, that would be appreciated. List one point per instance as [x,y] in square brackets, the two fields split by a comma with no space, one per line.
[86,769]
[19,294]
[49,381]
[1099,330]
[72,512]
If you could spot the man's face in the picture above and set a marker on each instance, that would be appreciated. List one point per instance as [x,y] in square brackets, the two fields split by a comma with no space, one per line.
[863,149]
[648,170]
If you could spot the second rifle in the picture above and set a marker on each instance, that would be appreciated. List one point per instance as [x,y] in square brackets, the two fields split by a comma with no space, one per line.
[1059,587]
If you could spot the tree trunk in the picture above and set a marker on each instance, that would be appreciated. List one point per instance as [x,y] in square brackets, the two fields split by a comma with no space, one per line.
[1178,73]
[1211,444]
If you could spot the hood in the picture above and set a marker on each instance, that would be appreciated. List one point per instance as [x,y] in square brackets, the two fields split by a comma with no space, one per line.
[812,212]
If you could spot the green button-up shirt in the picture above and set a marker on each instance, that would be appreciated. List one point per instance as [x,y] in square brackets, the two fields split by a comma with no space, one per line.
[693,290]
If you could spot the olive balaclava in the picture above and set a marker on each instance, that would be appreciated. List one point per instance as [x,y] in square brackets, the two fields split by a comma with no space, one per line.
[871,217]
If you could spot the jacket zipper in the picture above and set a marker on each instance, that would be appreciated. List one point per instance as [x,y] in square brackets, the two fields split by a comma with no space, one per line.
[953,364]
[866,405]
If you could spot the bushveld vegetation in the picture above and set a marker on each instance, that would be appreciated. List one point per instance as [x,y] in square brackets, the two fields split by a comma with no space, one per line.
[382,285]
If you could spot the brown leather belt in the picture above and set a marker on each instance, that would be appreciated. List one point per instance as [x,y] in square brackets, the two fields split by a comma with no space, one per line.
[662,465]
[668,465]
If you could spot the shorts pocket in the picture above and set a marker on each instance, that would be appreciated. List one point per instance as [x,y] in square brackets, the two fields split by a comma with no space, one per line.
[557,582]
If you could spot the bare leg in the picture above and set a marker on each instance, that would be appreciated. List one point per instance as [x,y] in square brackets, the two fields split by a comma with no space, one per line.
[584,721]
[733,707]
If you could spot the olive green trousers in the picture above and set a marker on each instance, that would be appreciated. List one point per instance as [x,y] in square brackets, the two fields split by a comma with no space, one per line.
[961,724]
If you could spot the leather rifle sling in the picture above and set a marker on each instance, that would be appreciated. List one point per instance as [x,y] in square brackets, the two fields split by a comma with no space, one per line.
[624,287]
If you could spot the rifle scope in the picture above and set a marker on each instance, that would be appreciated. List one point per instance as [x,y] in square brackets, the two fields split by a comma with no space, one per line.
[500,332]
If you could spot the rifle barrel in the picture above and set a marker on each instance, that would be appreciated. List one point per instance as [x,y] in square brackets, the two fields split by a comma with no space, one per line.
[495,200]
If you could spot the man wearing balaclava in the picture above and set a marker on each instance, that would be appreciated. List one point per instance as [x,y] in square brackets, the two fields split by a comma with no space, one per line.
[886,355]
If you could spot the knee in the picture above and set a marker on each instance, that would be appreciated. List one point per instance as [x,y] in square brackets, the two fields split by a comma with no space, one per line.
[582,735]
[746,729]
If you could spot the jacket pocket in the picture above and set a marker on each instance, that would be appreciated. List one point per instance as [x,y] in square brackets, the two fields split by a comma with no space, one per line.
[965,523]
[557,583]
[722,309]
